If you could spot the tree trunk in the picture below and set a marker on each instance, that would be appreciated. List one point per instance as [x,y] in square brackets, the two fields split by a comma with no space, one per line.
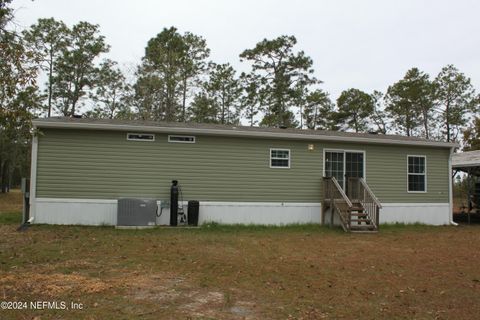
[74,101]
[425,124]
[170,101]
[447,118]
[301,117]
[4,176]
[72,113]
[76,92]
[50,84]
[2,164]
[10,178]
[223,109]
[407,125]
[184,118]
[113,106]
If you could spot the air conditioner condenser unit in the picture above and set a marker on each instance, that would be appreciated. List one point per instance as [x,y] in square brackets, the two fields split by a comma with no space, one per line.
[136,212]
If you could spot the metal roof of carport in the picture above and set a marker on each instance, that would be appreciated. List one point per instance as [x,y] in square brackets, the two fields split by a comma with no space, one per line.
[467,161]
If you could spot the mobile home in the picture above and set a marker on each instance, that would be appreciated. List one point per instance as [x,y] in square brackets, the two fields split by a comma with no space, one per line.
[80,167]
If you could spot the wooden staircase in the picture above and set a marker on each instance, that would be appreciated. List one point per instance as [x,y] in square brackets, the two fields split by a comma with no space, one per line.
[357,207]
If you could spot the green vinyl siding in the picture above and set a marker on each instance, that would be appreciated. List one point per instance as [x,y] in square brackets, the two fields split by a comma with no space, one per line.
[104,165]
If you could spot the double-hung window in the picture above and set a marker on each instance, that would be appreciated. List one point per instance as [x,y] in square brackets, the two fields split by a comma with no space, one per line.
[279,158]
[417,174]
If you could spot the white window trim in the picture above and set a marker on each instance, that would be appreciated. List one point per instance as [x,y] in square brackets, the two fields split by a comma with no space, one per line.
[139,133]
[325,150]
[418,174]
[289,158]
[183,136]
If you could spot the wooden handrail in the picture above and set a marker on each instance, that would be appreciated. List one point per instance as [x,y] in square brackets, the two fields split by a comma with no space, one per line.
[340,190]
[367,188]
[344,196]
[365,214]
[359,190]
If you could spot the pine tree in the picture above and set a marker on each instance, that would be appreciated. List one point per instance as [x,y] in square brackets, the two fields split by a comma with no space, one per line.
[49,39]
[455,97]
[224,88]
[354,109]
[318,111]
[280,72]
[407,101]
[471,136]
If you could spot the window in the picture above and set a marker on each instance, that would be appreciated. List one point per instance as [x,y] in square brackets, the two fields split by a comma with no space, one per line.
[334,166]
[181,139]
[354,164]
[417,169]
[140,136]
[279,158]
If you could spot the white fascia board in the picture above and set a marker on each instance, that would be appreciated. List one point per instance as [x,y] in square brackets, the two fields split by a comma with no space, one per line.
[236,133]
[466,165]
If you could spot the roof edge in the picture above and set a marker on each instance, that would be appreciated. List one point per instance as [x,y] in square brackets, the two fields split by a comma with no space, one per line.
[235,133]
[464,165]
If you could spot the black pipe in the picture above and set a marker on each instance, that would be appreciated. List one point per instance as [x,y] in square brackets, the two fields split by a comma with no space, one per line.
[174,204]
[26,205]
[23,226]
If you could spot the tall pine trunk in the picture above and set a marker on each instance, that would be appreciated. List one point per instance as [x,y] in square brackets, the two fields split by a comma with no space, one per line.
[4,176]
[407,125]
[2,164]
[223,108]
[425,123]
[50,84]
[447,118]
[184,99]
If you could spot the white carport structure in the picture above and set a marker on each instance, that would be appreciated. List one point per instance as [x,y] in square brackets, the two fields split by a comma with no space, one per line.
[469,163]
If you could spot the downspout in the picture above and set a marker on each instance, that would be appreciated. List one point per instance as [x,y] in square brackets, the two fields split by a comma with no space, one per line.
[33,175]
[33,185]
[450,187]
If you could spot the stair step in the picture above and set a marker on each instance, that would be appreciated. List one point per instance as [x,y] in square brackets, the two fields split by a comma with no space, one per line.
[362,226]
[364,231]
[358,214]
[360,220]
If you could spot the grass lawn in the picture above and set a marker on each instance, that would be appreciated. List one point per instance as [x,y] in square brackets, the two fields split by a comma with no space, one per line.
[11,201]
[218,272]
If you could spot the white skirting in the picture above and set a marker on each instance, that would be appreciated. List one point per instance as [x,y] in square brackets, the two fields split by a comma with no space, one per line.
[426,213]
[104,212]
[93,212]
[264,213]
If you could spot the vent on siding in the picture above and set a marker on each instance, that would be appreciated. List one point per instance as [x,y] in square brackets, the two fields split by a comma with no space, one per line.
[140,137]
[181,139]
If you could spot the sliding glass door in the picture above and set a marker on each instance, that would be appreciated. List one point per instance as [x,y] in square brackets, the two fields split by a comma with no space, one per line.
[341,164]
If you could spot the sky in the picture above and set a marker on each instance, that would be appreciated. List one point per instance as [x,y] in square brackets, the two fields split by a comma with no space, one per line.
[367,44]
